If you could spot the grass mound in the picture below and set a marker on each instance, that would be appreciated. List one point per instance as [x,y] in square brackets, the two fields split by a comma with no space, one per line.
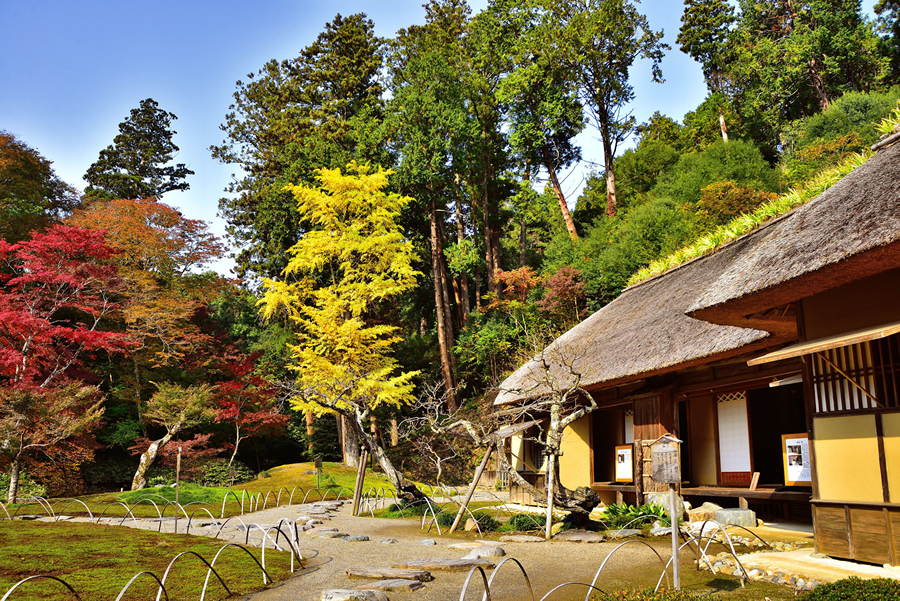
[98,561]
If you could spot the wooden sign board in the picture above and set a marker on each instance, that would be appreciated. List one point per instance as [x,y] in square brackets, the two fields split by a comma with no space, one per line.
[795,453]
[319,463]
[624,463]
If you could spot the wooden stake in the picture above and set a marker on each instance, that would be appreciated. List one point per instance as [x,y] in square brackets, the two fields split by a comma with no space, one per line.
[360,478]
[471,491]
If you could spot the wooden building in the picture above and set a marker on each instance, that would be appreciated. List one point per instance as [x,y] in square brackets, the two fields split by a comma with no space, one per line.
[775,355]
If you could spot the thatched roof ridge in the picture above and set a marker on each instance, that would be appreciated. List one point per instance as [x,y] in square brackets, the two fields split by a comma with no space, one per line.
[643,332]
[824,243]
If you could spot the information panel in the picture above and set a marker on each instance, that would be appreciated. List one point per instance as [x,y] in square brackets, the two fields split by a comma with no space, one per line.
[624,464]
[795,449]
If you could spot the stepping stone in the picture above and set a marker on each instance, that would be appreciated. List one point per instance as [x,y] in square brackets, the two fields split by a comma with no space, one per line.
[356,539]
[444,565]
[626,532]
[428,542]
[475,544]
[580,536]
[334,534]
[314,531]
[485,551]
[348,595]
[522,538]
[390,574]
[736,517]
[395,584]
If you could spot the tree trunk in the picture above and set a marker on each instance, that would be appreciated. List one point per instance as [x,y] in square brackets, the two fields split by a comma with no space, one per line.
[137,395]
[523,241]
[395,432]
[310,422]
[147,458]
[14,469]
[478,288]
[560,197]
[551,483]
[463,279]
[815,74]
[405,490]
[444,330]
[350,443]
[608,160]
[237,441]
[722,125]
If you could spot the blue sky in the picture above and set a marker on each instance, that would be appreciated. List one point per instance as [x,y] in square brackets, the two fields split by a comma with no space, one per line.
[72,71]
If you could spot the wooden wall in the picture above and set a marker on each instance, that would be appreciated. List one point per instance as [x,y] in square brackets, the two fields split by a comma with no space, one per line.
[860,532]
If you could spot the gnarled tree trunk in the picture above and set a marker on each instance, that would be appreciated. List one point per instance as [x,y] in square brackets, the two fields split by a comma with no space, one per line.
[147,458]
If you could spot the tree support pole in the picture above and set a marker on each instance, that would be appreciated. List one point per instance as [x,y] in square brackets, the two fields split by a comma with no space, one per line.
[360,478]
[673,516]
[471,491]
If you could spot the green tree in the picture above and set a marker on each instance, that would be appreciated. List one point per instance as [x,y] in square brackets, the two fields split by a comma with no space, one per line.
[543,111]
[322,108]
[794,58]
[888,23]
[32,196]
[599,42]
[705,26]
[175,408]
[136,165]
[336,277]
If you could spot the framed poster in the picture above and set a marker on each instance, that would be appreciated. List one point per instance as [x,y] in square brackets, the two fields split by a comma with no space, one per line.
[624,463]
[795,450]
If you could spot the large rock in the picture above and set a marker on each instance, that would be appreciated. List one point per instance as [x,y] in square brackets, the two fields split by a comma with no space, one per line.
[711,506]
[390,574]
[471,525]
[736,517]
[580,536]
[700,515]
[664,499]
[349,595]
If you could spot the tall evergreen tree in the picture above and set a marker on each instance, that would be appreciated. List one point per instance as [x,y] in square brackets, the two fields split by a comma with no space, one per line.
[705,26]
[599,40]
[135,165]
[320,109]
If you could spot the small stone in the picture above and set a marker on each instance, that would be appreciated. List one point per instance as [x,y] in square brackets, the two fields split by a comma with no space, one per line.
[388,541]
[332,535]
[471,525]
[349,595]
[625,533]
[555,528]
[801,583]
[660,531]
[760,523]
[428,542]
[356,539]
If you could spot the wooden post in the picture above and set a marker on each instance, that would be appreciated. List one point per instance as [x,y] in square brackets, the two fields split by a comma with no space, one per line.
[471,491]
[360,478]
[177,486]
[673,516]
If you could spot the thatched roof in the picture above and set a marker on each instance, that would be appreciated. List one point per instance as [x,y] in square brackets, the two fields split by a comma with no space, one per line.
[848,232]
[641,333]
[647,331]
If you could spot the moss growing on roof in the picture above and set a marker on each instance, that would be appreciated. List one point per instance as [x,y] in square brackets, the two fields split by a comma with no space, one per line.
[743,224]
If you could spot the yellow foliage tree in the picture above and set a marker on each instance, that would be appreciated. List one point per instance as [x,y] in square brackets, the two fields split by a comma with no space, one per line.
[338,275]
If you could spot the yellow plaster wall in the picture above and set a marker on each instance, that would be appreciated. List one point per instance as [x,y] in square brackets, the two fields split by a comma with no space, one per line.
[575,463]
[703,440]
[847,462]
[517,446]
[890,423]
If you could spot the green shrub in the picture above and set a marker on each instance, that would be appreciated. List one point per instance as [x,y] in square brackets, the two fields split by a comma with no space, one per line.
[619,516]
[877,589]
[27,486]
[486,521]
[523,522]
[217,473]
[446,519]
[156,481]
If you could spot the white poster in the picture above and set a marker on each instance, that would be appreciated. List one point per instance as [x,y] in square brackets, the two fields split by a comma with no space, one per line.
[624,467]
[797,460]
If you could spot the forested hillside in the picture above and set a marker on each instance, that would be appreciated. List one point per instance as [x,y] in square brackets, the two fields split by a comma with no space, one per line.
[399,213]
